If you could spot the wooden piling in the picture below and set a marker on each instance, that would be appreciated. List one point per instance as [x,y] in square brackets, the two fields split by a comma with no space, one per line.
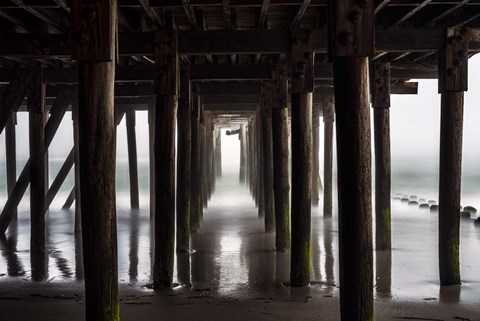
[354,169]
[164,146]
[351,34]
[267,102]
[77,187]
[132,158]
[218,153]
[11,154]
[36,110]
[242,137]
[301,144]
[281,182]
[316,181]
[184,161]
[453,81]
[195,174]
[381,125]
[151,157]
[328,117]
[259,153]
[96,69]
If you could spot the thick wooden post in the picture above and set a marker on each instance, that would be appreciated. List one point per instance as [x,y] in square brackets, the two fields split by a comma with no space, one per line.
[57,112]
[77,187]
[195,192]
[251,158]
[242,139]
[328,118]
[94,45]
[165,116]
[184,161]
[11,154]
[281,182]
[267,102]
[316,181]
[36,107]
[151,156]
[218,153]
[132,158]
[259,153]
[453,81]
[381,125]
[302,98]
[352,42]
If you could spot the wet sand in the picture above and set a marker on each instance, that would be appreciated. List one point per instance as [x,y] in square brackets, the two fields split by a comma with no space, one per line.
[233,272]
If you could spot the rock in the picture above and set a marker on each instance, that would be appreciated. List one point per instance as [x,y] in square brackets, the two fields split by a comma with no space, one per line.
[413,197]
[433,208]
[465,214]
[477,221]
[398,194]
[413,203]
[396,198]
[424,206]
[470,209]
[405,200]
[422,200]
[431,202]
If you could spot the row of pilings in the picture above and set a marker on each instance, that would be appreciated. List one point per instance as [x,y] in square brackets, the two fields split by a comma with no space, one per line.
[351,27]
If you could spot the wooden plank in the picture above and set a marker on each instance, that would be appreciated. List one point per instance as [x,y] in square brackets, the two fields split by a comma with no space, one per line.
[411,13]
[453,64]
[448,11]
[298,17]
[262,17]
[60,178]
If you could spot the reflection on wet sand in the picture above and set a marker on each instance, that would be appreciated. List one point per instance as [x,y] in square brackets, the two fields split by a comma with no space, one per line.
[232,256]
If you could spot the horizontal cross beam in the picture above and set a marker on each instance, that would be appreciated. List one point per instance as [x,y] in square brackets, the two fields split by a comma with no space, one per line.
[226,42]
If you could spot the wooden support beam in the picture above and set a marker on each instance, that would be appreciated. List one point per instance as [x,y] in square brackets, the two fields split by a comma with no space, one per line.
[151,155]
[164,147]
[381,126]
[184,139]
[298,17]
[77,187]
[351,28]
[60,178]
[56,115]
[45,15]
[70,199]
[242,138]
[411,13]
[328,119]
[96,78]
[381,4]
[301,141]
[195,192]
[153,16]
[281,182]
[13,95]
[36,107]
[190,14]
[11,154]
[267,140]
[262,17]
[453,69]
[227,14]
[316,180]
[132,158]
[218,153]
[259,153]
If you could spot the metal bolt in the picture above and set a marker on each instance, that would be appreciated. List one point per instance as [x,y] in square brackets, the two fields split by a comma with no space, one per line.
[299,75]
[355,16]
[344,37]
[458,62]
[460,38]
